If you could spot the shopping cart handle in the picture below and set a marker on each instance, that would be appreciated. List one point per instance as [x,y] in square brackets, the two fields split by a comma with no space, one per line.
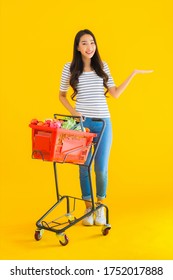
[82,118]
[97,120]
[100,120]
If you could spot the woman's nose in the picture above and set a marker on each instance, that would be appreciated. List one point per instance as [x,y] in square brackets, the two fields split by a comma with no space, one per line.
[89,48]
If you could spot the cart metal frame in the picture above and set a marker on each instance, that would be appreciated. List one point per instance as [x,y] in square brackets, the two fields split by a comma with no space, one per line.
[58,227]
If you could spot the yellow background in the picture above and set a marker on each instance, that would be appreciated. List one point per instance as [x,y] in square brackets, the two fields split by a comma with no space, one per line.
[36,41]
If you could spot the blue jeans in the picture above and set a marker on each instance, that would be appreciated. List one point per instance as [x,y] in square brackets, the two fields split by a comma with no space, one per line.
[100,162]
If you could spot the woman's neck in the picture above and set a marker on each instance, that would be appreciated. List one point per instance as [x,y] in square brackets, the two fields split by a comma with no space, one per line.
[87,65]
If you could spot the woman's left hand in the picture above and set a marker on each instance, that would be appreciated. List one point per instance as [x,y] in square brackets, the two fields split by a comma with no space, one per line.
[142,71]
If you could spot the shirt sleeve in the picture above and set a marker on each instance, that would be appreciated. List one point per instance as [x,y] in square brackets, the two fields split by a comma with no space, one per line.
[65,78]
[110,81]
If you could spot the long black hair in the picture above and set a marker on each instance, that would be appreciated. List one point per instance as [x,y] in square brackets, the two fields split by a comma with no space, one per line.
[76,67]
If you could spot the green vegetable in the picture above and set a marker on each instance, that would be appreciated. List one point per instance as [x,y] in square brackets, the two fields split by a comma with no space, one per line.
[68,123]
[77,127]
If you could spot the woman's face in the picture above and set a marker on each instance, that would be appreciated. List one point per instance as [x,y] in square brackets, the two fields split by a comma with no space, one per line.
[87,46]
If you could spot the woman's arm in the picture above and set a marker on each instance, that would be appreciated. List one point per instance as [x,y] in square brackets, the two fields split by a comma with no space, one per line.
[63,99]
[117,91]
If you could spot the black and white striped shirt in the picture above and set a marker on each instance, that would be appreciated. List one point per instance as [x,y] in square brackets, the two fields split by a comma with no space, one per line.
[90,98]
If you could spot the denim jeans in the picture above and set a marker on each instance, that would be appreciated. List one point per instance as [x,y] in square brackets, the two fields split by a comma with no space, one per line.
[100,162]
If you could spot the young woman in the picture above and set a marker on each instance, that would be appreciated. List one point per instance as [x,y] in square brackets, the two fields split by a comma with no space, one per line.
[91,80]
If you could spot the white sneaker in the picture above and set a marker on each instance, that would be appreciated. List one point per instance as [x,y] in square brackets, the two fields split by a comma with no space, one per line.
[100,218]
[89,220]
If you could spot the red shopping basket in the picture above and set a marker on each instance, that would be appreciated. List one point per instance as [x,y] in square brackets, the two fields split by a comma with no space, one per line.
[60,145]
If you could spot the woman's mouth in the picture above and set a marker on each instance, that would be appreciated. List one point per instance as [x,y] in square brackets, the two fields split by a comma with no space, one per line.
[89,52]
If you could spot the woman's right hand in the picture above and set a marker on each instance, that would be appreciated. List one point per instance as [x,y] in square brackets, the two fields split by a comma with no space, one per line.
[77,114]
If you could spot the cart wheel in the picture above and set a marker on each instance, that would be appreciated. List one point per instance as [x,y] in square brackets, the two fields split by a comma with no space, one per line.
[106,229]
[63,239]
[38,234]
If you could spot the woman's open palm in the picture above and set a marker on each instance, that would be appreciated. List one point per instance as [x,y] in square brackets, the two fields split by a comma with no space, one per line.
[143,71]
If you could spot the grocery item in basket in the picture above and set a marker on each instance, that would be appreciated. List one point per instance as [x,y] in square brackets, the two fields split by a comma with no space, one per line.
[66,123]
[47,123]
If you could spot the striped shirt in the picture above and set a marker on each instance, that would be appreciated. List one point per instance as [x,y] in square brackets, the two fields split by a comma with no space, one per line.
[90,98]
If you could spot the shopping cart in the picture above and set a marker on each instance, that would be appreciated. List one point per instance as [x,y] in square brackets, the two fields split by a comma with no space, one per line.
[60,145]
